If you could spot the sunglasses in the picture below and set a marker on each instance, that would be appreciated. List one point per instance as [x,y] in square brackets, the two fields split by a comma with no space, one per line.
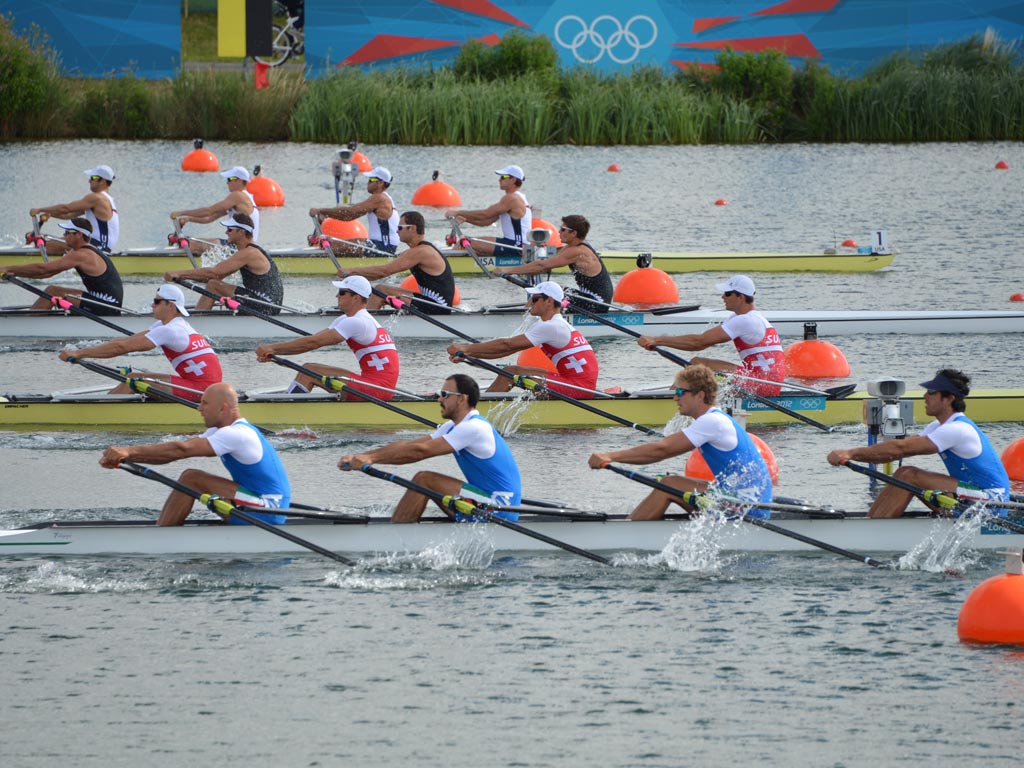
[537,297]
[444,393]
[731,293]
[344,292]
[680,391]
[372,179]
[160,300]
[235,229]
[506,176]
[232,178]
[95,178]
[407,226]
[566,229]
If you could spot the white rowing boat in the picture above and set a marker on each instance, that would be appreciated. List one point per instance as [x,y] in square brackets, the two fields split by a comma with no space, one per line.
[502,321]
[378,535]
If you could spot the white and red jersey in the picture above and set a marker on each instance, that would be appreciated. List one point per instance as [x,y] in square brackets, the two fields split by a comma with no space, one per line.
[760,350]
[188,351]
[372,345]
[571,353]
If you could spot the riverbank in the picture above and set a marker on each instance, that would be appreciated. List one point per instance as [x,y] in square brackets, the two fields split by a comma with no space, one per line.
[515,94]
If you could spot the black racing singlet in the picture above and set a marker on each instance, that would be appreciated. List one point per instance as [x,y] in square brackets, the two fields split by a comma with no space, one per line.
[437,288]
[106,287]
[597,287]
[267,287]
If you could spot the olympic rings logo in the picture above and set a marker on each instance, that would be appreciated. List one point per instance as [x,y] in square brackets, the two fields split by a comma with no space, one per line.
[607,35]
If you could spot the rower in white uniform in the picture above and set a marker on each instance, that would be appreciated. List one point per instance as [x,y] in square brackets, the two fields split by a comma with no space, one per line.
[512,212]
[238,200]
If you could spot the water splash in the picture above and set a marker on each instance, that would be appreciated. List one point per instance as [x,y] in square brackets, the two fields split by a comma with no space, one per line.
[695,547]
[216,254]
[946,548]
[507,415]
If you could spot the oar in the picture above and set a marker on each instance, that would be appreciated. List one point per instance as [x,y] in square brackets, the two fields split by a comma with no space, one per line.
[530,384]
[37,235]
[465,243]
[225,508]
[322,240]
[400,305]
[66,305]
[467,507]
[236,306]
[143,387]
[182,242]
[948,500]
[684,362]
[703,501]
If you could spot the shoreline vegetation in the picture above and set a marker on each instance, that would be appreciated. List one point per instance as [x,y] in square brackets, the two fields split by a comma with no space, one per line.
[515,93]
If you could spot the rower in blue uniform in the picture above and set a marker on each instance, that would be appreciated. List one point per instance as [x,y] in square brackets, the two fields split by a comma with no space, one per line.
[482,454]
[738,467]
[975,471]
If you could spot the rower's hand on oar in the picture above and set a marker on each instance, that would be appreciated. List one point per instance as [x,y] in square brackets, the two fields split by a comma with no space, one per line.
[839,457]
[263,353]
[68,355]
[647,342]
[113,456]
[599,460]
[353,462]
[457,352]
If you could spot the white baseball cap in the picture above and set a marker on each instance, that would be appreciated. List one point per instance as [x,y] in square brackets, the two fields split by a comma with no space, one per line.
[512,170]
[380,172]
[356,284]
[103,171]
[739,283]
[230,222]
[173,294]
[548,288]
[72,227]
[238,171]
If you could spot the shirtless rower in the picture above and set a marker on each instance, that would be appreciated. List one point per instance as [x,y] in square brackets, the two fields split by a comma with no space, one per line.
[512,211]
[261,279]
[97,207]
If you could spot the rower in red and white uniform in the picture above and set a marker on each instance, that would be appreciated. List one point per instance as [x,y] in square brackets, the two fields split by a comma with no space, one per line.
[571,353]
[761,357]
[372,345]
[196,365]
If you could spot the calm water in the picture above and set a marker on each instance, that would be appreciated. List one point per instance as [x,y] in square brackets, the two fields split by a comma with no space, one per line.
[454,657]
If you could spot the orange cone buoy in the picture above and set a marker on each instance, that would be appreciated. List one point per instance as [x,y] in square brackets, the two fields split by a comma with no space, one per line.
[362,161]
[1002,165]
[534,357]
[1017,297]
[344,230]
[265,191]
[698,468]
[556,239]
[200,160]
[721,201]
[994,611]
[614,168]
[849,243]
[1013,459]
[410,284]
[813,358]
[436,193]
[647,285]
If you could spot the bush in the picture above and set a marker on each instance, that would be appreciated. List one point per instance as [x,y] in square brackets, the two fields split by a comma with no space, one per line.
[116,108]
[516,55]
[30,84]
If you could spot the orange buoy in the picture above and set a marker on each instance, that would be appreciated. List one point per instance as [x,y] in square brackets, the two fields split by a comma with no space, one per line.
[362,161]
[534,357]
[994,611]
[614,168]
[1017,297]
[1002,165]
[647,285]
[813,358]
[436,193]
[344,230]
[556,239]
[410,284]
[721,201]
[265,191]
[698,468]
[200,160]
[1013,459]
[849,243]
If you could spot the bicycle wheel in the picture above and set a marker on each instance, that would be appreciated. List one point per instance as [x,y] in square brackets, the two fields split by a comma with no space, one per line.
[282,47]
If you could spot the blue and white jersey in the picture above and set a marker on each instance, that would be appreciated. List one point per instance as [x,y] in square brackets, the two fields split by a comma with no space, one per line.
[968,454]
[252,462]
[516,229]
[383,231]
[483,456]
[105,233]
[734,460]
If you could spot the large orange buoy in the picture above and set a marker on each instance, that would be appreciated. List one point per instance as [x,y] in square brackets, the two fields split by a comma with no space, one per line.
[410,284]
[265,191]
[534,357]
[697,467]
[994,611]
[849,243]
[362,161]
[813,358]
[436,193]
[344,230]
[556,239]
[1013,459]
[646,286]
[200,160]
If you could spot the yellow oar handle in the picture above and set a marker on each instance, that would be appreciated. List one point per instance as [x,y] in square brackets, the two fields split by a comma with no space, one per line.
[217,504]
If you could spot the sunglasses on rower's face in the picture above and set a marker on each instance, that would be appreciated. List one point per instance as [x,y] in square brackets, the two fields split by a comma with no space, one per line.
[344,292]
[564,228]
[232,178]
[95,178]
[731,293]
[444,393]
[161,300]
[680,391]
[506,176]
[372,179]
[407,226]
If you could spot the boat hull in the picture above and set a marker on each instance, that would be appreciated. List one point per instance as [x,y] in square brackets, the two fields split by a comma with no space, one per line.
[311,261]
[328,413]
[377,535]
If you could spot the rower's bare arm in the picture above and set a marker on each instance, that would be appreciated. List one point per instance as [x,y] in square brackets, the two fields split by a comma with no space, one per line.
[67,210]
[300,345]
[648,453]
[401,452]
[348,212]
[137,342]
[689,342]
[157,453]
[45,269]
[889,450]
[403,263]
[211,212]
[493,349]
[563,258]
